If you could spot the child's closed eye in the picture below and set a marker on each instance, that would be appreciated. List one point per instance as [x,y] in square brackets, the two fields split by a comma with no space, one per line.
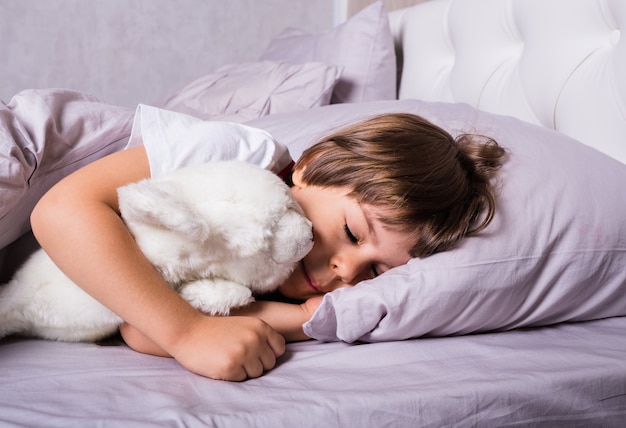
[350,235]
[355,240]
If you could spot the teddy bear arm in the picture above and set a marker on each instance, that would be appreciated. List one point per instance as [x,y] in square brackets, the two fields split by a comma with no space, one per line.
[215,296]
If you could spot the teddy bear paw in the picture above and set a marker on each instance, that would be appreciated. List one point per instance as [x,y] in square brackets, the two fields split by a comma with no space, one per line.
[216,296]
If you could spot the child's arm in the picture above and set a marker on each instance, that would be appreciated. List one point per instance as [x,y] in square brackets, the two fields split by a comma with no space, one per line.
[77,222]
[285,318]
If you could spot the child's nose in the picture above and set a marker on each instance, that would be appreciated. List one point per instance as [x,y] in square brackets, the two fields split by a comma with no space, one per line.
[349,270]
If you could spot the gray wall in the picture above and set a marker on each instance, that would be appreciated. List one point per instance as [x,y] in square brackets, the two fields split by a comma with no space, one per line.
[130,51]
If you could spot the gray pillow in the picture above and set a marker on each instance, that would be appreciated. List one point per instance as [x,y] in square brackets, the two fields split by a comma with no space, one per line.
[363,46]
[241,92]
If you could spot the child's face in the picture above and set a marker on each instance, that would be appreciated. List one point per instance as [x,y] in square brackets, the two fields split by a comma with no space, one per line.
[350,244]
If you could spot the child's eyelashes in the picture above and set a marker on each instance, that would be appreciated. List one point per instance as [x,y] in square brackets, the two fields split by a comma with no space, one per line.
[375,271]
[355,240]
[350,235]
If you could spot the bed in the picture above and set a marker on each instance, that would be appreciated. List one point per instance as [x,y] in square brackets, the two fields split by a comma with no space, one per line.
[522,325]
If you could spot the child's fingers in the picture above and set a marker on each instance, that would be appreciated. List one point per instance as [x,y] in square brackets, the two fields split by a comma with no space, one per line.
[267,355]
[254,369]
[277,344]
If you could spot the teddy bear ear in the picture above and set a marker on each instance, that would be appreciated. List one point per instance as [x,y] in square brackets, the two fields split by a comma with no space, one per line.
[159,204]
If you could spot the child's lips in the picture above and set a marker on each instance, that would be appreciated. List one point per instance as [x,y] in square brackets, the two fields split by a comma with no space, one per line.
[310,280]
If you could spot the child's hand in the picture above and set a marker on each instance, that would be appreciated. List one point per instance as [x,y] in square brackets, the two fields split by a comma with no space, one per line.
[235,347]
[311,305]
[227,348]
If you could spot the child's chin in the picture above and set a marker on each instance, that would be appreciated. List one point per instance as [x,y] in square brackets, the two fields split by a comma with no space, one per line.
[296,286]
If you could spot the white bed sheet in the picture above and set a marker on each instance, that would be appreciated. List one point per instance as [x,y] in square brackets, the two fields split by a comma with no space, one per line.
[570,375]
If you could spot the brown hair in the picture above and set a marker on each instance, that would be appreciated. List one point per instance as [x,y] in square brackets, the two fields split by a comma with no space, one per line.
[428,184]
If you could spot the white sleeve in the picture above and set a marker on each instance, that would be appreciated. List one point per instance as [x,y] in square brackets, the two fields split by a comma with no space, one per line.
[174,140]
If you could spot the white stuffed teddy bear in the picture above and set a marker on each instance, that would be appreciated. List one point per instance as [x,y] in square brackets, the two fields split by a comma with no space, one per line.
[217,232]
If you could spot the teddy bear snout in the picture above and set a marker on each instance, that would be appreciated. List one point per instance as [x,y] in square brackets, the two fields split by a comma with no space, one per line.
[293,238]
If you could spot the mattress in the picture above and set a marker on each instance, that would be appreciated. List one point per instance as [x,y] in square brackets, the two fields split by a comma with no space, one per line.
[570,375]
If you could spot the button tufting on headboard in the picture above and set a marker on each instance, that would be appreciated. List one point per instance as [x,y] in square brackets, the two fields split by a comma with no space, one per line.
[557,63]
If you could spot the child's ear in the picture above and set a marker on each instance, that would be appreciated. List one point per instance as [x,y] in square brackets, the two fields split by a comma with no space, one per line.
[296,177]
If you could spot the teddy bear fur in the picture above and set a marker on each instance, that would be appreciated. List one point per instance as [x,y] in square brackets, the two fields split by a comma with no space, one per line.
[218,233]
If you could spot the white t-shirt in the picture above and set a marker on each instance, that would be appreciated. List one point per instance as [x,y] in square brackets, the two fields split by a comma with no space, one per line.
[175,140]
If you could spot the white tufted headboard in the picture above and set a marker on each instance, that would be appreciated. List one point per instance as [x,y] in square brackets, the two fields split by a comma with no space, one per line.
[557,63]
